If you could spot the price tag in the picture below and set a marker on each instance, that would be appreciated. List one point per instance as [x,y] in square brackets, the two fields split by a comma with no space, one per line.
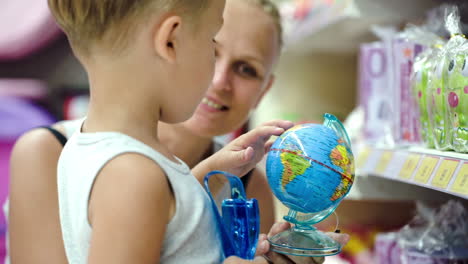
[425,169]
[383,162]
[409,166]
[460,185]
[444,173]
[362,157]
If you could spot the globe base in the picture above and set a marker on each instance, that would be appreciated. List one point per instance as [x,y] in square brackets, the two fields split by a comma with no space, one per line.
[298,242]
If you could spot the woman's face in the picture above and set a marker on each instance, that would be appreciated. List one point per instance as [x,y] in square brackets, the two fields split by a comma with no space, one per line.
[246,50]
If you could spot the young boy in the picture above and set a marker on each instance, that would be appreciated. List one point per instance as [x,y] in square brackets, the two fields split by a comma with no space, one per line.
[123,197]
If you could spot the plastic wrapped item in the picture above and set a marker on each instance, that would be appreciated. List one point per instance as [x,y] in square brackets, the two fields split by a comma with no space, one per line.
[447,97]
[436,235]
[422,65]
[401,120]
[418,84]
[433,236]
[437,102]
[457,96]
[456,80]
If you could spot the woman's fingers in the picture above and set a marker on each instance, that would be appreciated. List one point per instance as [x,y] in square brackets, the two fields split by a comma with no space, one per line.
[343,239]
[278,228]
[273,257]
[306,260]
[263,246]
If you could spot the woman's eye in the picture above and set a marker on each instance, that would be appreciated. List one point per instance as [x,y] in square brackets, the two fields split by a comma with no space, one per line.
[247,70]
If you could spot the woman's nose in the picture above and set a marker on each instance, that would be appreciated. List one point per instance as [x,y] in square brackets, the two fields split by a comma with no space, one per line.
[221,78]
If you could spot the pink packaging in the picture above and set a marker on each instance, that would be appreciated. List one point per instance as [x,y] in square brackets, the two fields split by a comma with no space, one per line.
[386,249]
[406,118]
[26,26]
[416,257]
[375,92]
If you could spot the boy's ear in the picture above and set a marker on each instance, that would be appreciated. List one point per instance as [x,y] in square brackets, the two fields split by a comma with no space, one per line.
[166,38]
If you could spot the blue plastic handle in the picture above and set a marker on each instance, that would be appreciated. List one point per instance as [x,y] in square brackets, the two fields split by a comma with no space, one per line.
[239,222]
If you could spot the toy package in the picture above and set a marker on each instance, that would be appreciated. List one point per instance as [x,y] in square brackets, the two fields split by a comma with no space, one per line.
[419,83]
[406,125]
[414,85]
[456,83]
[385,71]
[419,79]
[376,93]
[437,101]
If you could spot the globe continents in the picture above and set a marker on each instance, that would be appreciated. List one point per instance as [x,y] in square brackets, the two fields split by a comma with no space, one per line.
[309,168]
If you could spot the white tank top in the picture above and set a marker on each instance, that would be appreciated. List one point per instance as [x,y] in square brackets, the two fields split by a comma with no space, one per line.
[191,235]
[70,126]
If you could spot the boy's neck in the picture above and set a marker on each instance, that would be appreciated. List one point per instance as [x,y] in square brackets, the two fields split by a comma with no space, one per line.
[118,101]
[184,144]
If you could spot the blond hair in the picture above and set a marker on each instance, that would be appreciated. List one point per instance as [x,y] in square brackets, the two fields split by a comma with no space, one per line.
[271,9]
[109,22]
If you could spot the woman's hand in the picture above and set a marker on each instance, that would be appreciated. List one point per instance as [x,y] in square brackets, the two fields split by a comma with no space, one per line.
[263,248]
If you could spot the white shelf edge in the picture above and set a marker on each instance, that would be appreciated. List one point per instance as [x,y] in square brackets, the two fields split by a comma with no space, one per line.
[442,171]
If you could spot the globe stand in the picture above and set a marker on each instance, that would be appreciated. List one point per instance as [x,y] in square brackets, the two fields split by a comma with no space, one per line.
[304,239]
[300,242]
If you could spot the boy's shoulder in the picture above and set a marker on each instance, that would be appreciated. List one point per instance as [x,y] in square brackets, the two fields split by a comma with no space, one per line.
[99,149]
[134,171]
[109,163]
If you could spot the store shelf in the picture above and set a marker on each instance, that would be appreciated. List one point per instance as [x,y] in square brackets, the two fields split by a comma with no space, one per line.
[442,171]
[342,25]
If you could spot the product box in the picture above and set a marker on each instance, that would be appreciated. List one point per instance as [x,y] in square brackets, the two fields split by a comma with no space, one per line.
[376,93]
[406,119]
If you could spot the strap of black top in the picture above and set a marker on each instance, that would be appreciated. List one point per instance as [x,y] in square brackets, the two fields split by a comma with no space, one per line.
[59,136]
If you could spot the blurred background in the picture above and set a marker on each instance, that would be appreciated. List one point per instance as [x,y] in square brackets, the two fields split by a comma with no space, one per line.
[329,44]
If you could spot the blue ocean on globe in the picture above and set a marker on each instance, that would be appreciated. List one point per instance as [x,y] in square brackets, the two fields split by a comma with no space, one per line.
[309,168]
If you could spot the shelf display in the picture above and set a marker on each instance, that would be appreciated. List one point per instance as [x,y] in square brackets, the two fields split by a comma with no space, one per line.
[442,171]
[412,88]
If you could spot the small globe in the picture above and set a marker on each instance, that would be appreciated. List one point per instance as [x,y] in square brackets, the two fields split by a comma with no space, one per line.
[310,168]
